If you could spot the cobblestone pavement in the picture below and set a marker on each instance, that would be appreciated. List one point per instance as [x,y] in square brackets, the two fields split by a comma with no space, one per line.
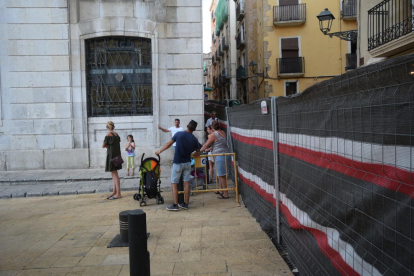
[68,235]
[16,184]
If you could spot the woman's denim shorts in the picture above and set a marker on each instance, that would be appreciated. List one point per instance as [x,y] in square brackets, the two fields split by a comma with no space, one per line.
[221,165]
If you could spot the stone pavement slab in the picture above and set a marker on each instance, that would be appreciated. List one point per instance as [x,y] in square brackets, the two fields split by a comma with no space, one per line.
[68,235]
[17,184]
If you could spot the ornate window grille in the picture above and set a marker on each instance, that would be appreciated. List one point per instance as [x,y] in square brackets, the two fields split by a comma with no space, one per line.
[119,76]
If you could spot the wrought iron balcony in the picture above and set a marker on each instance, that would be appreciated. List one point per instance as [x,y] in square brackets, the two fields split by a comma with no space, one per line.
[391,22]
[213,17]
[241,73]
[218,57]
[240,10]
[213,59]
[220,50]
[291,66]
[216,81]
[240,43]
[226,73]
[289,15]
[351,61]
[223,42]
[213,38]
[349,9]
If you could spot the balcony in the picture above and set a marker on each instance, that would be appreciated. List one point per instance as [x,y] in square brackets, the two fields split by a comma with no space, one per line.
[349,10]
[213,59]
[291,66]
[226,73]
[213,17]
[223,43]
[216,81]
[390,28]
[218,57]
[240,10]
[220,50]
[213,38]
[289,15]
[351,61]
[240,43]
[241,74]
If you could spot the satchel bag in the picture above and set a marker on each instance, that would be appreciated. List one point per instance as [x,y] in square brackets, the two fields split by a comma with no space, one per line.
[117,161]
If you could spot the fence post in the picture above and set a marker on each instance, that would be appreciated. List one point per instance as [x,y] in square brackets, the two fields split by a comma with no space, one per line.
[229,140]
[276,163]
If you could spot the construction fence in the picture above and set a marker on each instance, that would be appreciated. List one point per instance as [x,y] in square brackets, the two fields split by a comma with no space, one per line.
[329,172]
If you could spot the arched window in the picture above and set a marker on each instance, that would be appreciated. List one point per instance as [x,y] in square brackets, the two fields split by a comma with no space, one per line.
[119,76]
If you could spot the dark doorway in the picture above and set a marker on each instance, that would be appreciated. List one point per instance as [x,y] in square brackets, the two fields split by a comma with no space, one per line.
[291,88]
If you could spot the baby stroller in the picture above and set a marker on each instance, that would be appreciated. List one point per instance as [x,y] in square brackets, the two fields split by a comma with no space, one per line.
[150,182]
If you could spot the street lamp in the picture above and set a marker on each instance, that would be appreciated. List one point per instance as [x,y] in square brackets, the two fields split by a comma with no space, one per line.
[325,24]
[253,67]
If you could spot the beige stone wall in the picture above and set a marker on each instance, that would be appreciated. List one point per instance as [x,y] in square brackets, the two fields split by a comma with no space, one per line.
[43,118]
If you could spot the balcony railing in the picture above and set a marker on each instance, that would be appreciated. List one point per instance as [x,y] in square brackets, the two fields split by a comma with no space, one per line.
[226,73]
[221,50]
[223,42]
[216,81]
[388,21]
[351,61]
[240,43]
[241,73]
[349,9]
[213,38]
[213,59]
[217,55]
[240,10]
[289,15]
[213,17]
[291,66]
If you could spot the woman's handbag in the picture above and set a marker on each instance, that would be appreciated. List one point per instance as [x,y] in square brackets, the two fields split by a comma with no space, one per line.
[117,161]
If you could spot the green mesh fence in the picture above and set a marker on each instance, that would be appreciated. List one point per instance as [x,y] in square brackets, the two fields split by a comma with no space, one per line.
[222,15]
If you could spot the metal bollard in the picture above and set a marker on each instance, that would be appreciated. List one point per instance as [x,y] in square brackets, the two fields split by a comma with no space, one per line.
[123,226]
[139,257]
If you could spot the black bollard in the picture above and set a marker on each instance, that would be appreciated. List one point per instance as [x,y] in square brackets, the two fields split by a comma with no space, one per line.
[181,188]
[139,258]
[123,226]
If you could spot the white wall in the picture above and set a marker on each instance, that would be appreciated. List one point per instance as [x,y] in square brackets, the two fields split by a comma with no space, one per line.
[43,115]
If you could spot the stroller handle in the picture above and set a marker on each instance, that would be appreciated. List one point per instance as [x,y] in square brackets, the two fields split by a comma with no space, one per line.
[142,158]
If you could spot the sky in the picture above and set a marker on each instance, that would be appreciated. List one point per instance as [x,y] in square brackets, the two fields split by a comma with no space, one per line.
[206,26]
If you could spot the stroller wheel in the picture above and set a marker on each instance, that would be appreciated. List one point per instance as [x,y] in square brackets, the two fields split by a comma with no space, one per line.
[141,202]
[158,199]
[162,200]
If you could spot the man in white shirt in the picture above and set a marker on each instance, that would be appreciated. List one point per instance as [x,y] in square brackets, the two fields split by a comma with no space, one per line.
[213,118]
[174,129]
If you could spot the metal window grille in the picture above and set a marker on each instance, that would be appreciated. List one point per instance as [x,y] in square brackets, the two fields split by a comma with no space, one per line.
[119,76]
[289,13]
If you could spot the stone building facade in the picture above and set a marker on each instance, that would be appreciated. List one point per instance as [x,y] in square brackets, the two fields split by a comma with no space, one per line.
[69,66]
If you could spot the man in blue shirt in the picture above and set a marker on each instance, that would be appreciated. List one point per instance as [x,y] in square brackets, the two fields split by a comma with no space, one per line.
[186,144]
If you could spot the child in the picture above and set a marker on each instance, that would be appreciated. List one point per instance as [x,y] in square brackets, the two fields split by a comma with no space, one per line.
[130,153]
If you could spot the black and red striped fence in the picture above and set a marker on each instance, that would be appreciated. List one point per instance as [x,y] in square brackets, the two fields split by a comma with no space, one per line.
[338,189]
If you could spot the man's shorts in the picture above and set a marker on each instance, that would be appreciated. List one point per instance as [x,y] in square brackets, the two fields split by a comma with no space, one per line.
[178,169]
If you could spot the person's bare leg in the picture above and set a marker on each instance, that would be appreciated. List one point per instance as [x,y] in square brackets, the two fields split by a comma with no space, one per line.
[113,183]
[187,192]
[174,192]
[223,185]
[117,185]
[128,172]
[211,170]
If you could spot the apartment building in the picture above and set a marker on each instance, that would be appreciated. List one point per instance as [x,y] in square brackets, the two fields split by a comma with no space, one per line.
[207,77]
[385,29]
[223,49]
[296,54]
[247,50]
